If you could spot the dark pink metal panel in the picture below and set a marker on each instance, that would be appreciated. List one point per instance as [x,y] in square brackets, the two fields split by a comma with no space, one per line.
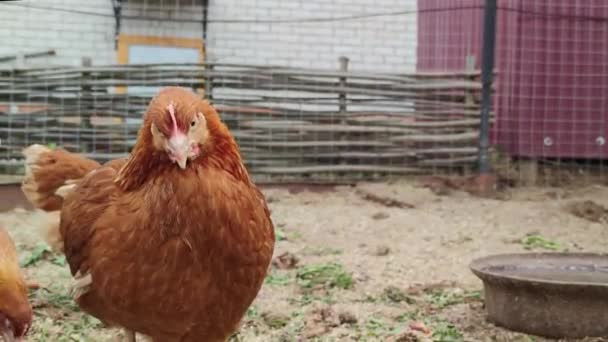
[552,86]
[448,31]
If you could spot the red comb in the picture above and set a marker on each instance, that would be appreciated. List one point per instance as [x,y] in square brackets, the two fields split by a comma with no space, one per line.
[171,109]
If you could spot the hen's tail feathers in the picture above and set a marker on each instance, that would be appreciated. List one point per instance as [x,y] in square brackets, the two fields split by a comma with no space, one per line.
[49,174]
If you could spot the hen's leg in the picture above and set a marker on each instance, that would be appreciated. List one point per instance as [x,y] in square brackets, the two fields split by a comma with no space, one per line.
[32,285]
[80,285]
[129,335]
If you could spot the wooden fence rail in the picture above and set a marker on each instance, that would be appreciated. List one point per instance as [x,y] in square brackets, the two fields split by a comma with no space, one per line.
[291,124]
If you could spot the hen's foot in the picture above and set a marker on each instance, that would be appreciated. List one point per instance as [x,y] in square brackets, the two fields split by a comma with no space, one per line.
[129,336]
[80,285]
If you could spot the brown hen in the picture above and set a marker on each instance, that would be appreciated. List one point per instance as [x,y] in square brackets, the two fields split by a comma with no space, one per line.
[15,309]
[174,242]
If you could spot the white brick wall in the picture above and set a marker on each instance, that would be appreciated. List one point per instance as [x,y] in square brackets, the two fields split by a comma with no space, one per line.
[26,26]
[158,28]
[385,43]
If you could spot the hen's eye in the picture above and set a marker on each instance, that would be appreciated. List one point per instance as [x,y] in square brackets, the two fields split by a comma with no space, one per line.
[192,123]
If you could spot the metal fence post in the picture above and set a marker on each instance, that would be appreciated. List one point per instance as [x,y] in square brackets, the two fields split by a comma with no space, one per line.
[487,68]
[343,61]
[86,62]
[342,97]
[208,81]
[85,115]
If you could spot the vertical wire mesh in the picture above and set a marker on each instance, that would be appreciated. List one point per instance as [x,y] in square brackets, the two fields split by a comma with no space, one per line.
[551,90]
[449,45]
[407,104]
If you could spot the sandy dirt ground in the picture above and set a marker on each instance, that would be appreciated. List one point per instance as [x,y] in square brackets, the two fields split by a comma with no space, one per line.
[354,267]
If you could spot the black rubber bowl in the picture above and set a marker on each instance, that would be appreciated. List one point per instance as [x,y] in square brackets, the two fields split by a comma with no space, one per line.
[555,295]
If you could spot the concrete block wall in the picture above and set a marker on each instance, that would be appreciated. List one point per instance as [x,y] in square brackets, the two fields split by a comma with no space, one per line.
[186,19]
[29,26]
[32,26]
[383,43]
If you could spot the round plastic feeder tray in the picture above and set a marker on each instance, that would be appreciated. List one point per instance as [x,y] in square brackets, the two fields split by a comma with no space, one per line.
[555,295]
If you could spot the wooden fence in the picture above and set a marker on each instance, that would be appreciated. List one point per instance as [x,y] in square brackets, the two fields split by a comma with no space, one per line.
[291,124]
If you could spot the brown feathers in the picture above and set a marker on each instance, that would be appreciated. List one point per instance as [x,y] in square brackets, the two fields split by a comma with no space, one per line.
[47,170]
[50,175]
[220,150]
[176,254]
[14,304]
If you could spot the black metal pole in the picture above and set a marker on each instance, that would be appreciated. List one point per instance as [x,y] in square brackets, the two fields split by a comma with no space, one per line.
[205,15]
[487,68]
[117,6]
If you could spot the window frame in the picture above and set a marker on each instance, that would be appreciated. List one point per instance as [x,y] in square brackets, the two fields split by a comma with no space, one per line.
[126,40]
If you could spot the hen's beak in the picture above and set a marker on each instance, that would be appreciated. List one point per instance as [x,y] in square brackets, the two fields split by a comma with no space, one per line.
[178,149]
[182,162]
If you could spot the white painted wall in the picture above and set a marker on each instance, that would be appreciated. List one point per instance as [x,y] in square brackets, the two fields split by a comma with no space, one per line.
[179,10]
[386,43]
[25,29]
